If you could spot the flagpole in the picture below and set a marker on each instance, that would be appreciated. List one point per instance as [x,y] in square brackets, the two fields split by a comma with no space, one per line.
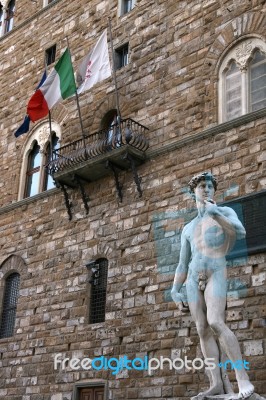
[77,100]
[50,120]
[114,71]
[51,137]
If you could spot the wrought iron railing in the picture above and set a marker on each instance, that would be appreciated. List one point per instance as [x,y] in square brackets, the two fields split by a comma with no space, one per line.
[127,132]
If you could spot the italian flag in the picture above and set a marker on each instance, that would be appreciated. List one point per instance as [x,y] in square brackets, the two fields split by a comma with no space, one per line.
[59,85]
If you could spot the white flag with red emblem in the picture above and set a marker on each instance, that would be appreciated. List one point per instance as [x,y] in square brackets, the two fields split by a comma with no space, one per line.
[95,67]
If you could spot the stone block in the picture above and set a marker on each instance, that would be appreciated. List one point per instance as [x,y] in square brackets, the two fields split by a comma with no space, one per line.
[148,393]
[253,347]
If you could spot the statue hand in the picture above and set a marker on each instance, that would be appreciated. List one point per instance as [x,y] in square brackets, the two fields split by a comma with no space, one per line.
[179,300]
[211,207]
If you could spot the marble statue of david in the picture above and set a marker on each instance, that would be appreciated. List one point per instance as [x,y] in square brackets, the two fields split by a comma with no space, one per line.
[205,241]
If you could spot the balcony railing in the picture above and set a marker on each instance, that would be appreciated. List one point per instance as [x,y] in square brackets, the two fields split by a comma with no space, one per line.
[128,133]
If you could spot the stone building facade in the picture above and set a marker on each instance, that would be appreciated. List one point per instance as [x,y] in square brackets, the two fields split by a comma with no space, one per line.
[173,85]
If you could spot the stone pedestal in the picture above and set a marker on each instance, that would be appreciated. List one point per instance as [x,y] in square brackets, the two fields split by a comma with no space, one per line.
[254,396]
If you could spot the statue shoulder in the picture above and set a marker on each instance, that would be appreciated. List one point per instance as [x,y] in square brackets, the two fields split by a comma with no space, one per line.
[188,228]
[227,211]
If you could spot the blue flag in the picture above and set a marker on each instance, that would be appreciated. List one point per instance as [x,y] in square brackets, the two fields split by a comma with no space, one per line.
[25,126]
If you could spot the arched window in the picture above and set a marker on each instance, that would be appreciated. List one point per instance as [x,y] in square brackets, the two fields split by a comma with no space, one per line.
[98,290]
[9,307]
[9,20]
[36,155]
[242,79]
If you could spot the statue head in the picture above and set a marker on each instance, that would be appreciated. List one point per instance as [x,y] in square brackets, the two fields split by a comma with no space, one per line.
[204,176]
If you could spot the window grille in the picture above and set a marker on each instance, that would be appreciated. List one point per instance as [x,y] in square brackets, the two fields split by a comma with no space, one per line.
[9,305]
[98,291]
[251,211]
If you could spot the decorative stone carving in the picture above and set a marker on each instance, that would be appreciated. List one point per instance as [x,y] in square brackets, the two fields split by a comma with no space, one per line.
[243,53]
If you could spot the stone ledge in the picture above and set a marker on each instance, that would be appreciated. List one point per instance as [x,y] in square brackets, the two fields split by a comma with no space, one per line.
[214,130]
[28,200]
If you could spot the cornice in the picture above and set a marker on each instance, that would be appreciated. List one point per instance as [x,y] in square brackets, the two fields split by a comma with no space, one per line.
[28,200]
[214,130]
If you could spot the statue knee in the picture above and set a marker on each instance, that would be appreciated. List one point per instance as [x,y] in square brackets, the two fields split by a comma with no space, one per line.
[216,326]
[203,330]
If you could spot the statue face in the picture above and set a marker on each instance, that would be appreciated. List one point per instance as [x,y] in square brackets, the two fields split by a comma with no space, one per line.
[204,190]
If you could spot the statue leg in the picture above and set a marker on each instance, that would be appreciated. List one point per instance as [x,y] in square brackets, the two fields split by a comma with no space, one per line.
[215,298]
[228,388]
[208,343]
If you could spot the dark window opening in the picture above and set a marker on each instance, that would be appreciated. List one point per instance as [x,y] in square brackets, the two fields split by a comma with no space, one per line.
[109,119]
[98,291]
[9,305]
[121,56]
[112,129]
[50,55]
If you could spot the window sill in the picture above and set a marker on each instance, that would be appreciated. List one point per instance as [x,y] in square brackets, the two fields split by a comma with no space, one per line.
[28,200]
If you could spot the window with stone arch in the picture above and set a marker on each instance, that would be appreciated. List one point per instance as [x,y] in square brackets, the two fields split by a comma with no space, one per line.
[9,305]
[242,79]
[10,277]
[37,153]
[98,281]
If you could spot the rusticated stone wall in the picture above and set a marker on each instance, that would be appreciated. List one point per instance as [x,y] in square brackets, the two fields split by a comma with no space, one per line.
[170,86]
[52,314]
